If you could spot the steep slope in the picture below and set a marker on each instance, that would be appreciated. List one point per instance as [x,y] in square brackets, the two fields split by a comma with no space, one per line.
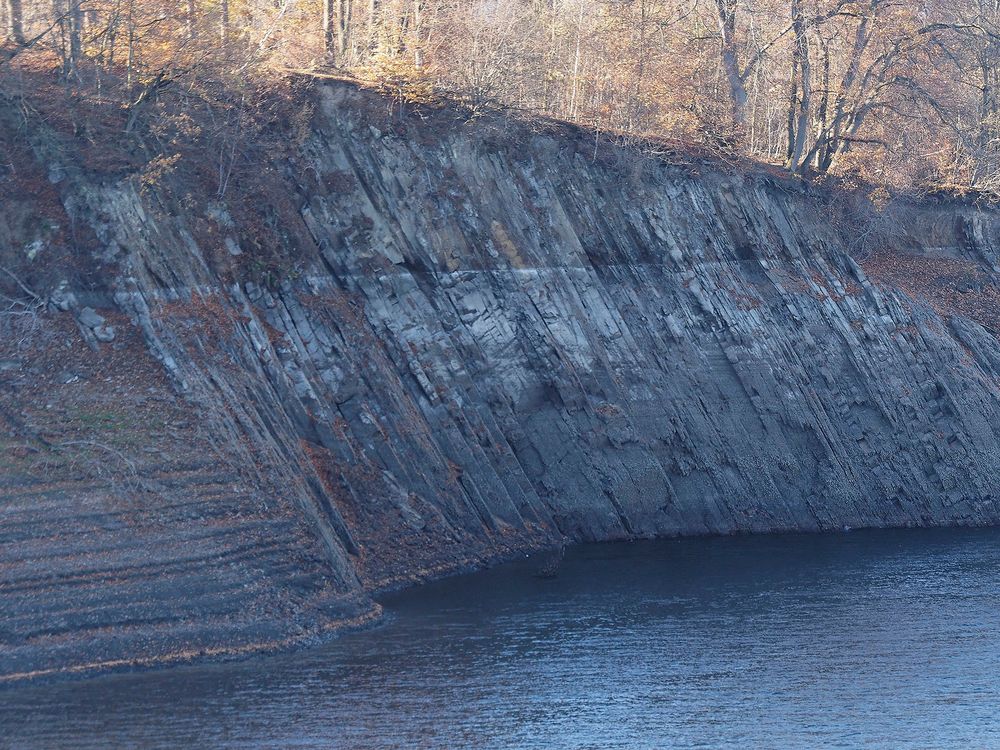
[476,342]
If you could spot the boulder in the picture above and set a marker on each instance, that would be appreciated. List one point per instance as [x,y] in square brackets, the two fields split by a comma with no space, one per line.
[90,318]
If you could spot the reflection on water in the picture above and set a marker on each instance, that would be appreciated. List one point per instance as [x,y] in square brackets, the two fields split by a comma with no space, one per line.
[869,639]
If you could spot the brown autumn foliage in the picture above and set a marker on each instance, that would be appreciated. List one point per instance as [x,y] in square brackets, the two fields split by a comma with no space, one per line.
[898,93]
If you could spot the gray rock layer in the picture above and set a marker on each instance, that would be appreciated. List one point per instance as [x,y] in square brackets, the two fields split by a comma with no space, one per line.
[486,347]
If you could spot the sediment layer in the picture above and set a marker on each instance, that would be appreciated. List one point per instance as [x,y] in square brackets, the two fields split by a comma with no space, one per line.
[484,339]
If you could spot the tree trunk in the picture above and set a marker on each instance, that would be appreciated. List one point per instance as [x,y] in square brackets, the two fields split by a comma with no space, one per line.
[224,22]
[800,109]
[75,34]
[730,62]
[793,99]
[418,50]
[130,58]
[988,95]
[329,34]
[15,21]
[831,140]
[344,8]
[822,111]
[373,12]
[636,118]
[576,65]
[190,16]
[68,19]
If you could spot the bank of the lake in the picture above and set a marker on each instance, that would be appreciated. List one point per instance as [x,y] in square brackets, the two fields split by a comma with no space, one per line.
[866,639]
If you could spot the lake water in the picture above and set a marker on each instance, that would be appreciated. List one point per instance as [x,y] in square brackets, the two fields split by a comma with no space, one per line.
[866,639]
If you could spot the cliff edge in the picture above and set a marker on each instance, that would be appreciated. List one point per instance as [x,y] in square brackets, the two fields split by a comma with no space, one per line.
[425,344]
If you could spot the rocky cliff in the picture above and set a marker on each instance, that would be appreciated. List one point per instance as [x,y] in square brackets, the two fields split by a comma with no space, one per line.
[477,339]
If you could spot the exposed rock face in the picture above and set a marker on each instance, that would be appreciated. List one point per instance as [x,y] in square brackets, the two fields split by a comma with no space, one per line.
[482,348]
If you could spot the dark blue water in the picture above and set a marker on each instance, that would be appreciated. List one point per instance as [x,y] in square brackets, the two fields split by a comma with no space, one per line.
[867,639]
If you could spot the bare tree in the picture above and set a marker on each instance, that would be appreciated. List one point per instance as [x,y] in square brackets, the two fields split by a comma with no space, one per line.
[729,52]
[800,101]
[15,21]
[329,31]
[68,24]
[190,19]
[336,30]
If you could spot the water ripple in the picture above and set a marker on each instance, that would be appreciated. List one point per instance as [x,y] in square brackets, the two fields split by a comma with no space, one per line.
[871,639]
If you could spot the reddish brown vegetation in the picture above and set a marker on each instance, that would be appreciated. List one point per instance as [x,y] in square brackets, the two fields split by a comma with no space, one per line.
[951,286]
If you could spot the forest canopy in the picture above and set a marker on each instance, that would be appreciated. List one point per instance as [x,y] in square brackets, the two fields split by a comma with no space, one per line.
[899,93]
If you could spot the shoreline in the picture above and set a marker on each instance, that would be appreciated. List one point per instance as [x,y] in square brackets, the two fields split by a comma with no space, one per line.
[375,615]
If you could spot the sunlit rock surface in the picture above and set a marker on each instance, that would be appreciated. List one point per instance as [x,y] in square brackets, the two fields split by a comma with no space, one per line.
[490,338]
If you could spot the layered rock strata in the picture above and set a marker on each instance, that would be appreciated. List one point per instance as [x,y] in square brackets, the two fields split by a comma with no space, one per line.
[483,343]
